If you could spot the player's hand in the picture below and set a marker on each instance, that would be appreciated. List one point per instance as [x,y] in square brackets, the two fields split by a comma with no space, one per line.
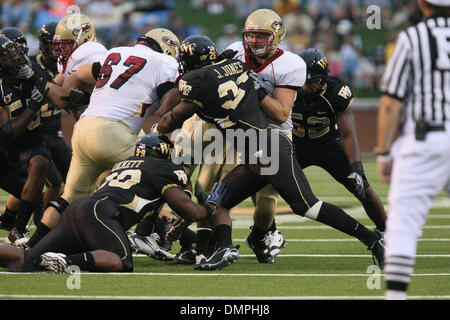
[227,54]
[38,95]
[358,184]
[77,97]
[176,229]
[25,70]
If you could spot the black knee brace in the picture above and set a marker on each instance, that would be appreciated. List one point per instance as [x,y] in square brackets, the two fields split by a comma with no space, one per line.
[59,204]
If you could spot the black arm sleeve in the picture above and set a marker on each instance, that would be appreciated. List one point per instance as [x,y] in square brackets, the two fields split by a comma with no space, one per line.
[96,66]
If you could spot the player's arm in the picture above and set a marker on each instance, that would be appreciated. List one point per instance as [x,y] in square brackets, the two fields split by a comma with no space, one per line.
[347,129]
[83,78]
[11,130]
[389,115]
[388,120]
[174,118]
[180,203]
[169,101]
[278,107]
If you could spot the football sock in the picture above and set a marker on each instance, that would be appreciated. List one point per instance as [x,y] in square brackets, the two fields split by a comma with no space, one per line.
[8,217]
[144,228]
[23,216]
[204,237]
[85,261]
[398,270]
[257,233]
[223,235]
[336,218]
[273,226]
[41,231]
[188,238]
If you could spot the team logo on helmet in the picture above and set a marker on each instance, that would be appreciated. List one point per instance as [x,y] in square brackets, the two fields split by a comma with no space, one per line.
[82,29]
[277,24]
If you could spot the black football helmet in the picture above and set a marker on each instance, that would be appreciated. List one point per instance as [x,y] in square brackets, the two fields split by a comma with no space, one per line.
[317,71]
[45,36]
[196,52]
[16,35]
[11,57]
[154,145]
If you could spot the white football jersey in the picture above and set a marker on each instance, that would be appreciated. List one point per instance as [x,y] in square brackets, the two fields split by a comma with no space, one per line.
[127,84]
[88,52]
[286,70]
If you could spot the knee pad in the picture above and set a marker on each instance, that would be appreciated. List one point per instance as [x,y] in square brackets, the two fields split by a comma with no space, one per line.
[313,212]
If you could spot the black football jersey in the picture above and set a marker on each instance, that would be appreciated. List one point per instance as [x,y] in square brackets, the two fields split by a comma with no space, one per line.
[225,95]
[50,114]
[15,98]
[314,118]
[137,185]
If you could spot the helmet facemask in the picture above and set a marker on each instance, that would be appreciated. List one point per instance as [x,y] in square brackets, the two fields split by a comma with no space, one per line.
[259,42]
[11,59]
[63,49]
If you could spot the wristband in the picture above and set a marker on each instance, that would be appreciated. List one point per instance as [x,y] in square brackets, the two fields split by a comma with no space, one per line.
[261,93]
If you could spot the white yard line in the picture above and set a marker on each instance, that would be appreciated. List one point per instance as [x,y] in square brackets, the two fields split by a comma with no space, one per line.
[26,296]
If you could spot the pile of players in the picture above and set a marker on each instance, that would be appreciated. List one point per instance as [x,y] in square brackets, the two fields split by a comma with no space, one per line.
[115,177]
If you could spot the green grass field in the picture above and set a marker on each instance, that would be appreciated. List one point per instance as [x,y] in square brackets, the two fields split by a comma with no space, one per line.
[318,263]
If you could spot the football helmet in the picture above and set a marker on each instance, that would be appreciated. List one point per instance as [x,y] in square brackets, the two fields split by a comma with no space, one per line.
[16,35]
[45,36]
[317,71]
[11,57]
[72,31]
[263,32]
[196,52]
[161,40]
[154,145]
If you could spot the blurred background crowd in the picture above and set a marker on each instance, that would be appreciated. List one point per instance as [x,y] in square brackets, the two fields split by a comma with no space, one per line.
[357,52]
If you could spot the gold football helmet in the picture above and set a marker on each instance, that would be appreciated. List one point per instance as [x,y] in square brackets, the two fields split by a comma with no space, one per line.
[166,41]
[263,32]
[72,31]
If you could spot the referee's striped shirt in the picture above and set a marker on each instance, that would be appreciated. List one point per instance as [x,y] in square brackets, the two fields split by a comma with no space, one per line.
[418,72]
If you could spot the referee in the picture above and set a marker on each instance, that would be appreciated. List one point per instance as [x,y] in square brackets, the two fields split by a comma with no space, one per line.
[418,74]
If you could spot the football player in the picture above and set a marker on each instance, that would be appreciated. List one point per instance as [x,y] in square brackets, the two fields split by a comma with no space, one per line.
[50,120]
[281,73]
[225,93]
[92,231]
[127,82]
[324,133]
[25,146]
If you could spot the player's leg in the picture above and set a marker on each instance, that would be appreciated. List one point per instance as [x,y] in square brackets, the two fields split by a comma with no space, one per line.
[37,168]
[417,177]
[241,183]
[332,157]
[293,186]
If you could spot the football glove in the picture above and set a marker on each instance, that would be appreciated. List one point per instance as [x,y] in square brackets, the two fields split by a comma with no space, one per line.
[77,97]
[176,229]
[357,178]
[227,54]
[38,94]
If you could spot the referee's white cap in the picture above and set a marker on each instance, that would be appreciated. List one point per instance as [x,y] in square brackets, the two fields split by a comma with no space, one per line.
[439,3]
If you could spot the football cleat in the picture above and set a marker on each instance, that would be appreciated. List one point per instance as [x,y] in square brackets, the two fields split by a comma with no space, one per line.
[260,249]
[17,237]
[200,258]
[377,249]
[55,262]
[186,256]
[275,242]
[221,258]
[149,246]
